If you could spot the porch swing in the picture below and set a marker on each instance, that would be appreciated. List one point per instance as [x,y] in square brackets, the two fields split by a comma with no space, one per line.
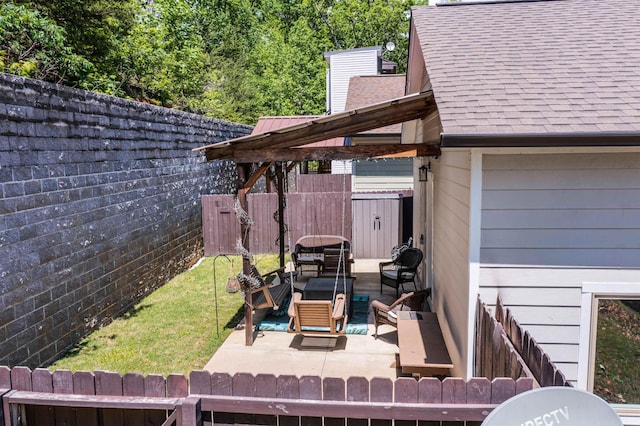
[323,317]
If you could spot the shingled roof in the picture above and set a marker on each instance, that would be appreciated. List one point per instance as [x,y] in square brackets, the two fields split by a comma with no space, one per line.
[373,89]
[552,67]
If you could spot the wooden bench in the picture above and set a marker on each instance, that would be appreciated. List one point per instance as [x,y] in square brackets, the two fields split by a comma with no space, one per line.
[422,350]
[275,287]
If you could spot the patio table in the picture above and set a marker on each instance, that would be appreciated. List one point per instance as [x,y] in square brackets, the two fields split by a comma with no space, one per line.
[322,289]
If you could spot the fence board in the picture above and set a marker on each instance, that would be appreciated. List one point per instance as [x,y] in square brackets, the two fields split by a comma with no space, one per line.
[177,386]
[84,384]
[21,379]
[405,391]
[133,385]
[288,387]
[41,382]
[266,388]
[323,183]
[5,377]
[109,383]
[381,390]
[217,384]
[429,390]
[63,384]
[311,388]
[202,383]
[502,388]
[357,391]
[244,385]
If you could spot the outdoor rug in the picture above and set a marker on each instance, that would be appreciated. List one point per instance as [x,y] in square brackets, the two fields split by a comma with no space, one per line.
[279,320]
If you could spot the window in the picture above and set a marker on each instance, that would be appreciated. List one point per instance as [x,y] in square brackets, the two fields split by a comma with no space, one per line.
[609,359]
[617,353]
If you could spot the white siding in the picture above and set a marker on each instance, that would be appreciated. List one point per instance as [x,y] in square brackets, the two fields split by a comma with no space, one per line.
[451,180]
[382,175]
[344,65]
[551,222]
[341,167]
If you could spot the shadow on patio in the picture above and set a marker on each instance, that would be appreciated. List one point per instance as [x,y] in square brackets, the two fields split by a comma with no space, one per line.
[282,353]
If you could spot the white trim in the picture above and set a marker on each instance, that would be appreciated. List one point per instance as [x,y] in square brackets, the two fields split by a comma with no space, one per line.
[591,291]
[475,223]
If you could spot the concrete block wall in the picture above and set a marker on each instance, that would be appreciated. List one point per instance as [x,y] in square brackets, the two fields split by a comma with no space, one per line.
[99,205]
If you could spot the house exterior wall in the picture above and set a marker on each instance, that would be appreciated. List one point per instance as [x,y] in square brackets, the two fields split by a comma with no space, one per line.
[382,175]
[550,223]
[342,66]
[450,242]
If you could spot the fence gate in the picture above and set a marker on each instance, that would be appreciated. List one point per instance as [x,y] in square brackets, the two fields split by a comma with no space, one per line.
[220,227]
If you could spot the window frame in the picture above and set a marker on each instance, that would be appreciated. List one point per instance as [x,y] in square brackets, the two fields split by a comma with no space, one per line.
[592,292]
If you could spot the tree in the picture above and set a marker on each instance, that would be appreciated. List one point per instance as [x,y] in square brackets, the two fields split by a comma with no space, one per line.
[231,59]
[32,45]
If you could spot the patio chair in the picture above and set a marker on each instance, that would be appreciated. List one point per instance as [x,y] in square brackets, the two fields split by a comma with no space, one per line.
[386,314]
[263,293]
[328,265]
[317,317]
[401,270]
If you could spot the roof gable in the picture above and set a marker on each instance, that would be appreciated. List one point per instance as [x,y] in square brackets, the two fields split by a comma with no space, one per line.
[373,89]
[563,66]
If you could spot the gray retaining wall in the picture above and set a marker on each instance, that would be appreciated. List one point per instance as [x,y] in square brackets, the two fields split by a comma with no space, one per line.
[99,205]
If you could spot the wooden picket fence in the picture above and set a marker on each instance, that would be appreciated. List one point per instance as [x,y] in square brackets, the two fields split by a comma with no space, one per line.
[104,398]
[322,213]
[505,349]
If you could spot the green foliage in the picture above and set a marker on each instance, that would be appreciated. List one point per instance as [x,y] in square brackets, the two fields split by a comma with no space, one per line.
[231,59]
[32,45]
[617,370]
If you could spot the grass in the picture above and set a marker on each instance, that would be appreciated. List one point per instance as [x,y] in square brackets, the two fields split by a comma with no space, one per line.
[617,369]
[173,330]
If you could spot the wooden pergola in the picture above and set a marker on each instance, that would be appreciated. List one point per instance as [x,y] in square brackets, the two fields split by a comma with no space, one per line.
[287,144]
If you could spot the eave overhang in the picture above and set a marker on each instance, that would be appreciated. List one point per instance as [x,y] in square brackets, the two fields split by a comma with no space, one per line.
[519,140]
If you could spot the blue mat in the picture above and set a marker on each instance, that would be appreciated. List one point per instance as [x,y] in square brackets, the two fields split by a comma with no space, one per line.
[279,320]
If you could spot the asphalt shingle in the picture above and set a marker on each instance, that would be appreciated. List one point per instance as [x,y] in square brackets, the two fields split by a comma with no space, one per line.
[545,66]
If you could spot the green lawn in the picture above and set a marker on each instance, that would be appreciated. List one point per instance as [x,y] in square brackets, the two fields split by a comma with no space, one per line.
[617,369]
[173,330]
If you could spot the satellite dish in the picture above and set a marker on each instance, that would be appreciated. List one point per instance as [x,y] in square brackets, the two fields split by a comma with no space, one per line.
[390,46]
[554,406]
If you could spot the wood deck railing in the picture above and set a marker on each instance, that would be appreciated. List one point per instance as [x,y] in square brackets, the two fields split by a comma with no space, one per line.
[104,398]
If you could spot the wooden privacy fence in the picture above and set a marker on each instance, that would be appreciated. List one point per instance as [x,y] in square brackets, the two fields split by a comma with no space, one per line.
[504,349]
[322,213]
[540,364]
[103,398]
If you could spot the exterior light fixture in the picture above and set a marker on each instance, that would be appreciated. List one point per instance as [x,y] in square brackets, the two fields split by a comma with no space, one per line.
[423,172]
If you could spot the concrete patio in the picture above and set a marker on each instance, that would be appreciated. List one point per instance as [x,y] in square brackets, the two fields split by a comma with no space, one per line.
[281,353]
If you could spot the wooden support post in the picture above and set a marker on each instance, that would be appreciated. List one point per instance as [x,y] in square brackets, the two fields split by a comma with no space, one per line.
[281,207]
[243,170]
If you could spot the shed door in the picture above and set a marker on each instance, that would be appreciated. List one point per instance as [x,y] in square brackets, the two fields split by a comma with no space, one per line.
[376,227]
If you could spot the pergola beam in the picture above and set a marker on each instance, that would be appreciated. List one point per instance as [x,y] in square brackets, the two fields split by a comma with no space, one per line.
[337,125]
[337,153]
